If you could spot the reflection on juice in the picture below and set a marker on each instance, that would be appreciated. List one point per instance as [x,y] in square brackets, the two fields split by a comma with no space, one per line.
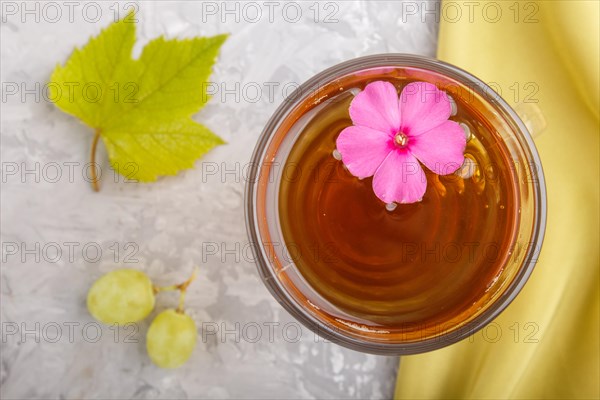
[422,264]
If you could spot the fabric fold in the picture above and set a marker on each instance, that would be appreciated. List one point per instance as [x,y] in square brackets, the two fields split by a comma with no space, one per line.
[548,345]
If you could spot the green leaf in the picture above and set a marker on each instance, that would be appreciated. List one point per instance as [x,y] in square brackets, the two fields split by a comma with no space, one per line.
[141,108]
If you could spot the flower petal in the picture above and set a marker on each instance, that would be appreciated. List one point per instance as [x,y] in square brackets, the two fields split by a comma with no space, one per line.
[376,107]
[400,178]
[363,149]
[441,149]
[423,106]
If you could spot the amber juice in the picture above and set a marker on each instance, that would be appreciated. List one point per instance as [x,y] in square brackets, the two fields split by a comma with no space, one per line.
[420,267]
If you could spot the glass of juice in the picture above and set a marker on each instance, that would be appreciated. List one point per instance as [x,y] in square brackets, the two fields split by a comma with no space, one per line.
[394,278]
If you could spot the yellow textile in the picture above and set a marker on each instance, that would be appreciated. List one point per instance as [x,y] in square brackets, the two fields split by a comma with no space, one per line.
[560,54]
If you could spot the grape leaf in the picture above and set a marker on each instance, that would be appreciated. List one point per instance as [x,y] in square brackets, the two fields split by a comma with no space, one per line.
[140,108]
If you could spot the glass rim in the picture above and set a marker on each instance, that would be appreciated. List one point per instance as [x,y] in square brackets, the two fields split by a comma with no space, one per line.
[445,338]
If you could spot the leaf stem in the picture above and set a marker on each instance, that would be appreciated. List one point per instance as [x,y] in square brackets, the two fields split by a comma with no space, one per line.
[95,181]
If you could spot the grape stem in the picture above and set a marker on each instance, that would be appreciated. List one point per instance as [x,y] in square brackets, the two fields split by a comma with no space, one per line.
[179,309]
[182,287]
[158,289]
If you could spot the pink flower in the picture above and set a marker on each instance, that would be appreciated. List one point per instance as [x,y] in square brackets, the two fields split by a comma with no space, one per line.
[391,135]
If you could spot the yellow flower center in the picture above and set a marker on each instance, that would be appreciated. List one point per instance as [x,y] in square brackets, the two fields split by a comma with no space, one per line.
[401,140]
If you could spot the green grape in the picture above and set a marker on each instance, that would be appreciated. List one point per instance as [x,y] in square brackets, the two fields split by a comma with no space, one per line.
[121,296]
[171,339]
